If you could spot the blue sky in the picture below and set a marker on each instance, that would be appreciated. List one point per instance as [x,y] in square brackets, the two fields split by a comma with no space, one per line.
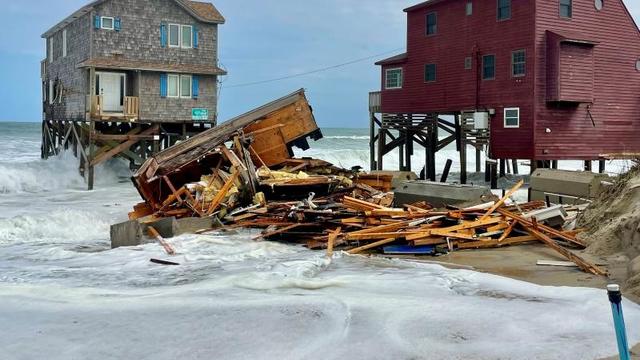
[261,40]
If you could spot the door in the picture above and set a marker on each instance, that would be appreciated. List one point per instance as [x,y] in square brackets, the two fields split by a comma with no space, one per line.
[111,86]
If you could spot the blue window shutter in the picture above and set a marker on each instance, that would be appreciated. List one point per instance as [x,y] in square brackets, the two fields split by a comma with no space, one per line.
[117,24]
[163,35]
[195,37]
[195,86]
[96,21]
[163,85]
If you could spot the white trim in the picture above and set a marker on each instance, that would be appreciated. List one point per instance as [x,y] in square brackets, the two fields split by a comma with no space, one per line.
[169,76]
[51,92]
[113,22]
[182,27]
[64,43]
[386,77]
[505,118]
[50,49]
[169,35]
[121,74]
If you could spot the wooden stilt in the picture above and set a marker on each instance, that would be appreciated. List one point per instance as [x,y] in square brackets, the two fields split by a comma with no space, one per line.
[503,169]
[381,145]
[89,174]
[494,175]
[515,166]
[588,165]
[445,173]
[602,166]
[478,160]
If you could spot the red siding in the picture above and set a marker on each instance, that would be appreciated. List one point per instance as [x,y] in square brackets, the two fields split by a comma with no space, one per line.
[548,130]
[616,84]
[460,36]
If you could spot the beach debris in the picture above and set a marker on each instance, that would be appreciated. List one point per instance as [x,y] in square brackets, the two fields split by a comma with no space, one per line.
[243,174]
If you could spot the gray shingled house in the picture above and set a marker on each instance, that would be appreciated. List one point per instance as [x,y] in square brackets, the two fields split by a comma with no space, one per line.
[128,78]
[144,60]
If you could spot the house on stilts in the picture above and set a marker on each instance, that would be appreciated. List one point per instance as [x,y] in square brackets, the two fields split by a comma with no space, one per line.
[128,78]
[543,80]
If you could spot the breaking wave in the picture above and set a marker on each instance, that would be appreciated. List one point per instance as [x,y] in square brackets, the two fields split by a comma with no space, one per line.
[62,225]
[56,173]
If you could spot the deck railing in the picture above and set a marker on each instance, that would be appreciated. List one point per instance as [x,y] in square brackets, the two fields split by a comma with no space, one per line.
[130,109]
[375,101]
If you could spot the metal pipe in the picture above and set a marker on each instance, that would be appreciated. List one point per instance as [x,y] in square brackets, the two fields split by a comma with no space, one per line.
[615,297]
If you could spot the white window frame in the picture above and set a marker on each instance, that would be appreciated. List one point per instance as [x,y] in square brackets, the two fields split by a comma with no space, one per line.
[50,48]
[182,27]
[190,87]
[51,92]
[113,22]
[64,43]
[505,118]
[169,37]
[177,77]
[386,79]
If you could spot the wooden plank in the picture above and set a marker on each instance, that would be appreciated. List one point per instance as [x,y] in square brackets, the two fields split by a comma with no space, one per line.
[118,149]
[222,193]
[376,236]
[451,229]
[543,228]
[503,200]
[371,246]
[582,263]
[156,235]
[332,239]
[495,243]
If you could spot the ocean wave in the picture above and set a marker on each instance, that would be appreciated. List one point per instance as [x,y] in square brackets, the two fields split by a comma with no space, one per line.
[60,172]
[347,137]
[61,225]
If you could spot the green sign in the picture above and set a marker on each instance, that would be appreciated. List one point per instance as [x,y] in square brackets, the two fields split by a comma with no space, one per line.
[199,114]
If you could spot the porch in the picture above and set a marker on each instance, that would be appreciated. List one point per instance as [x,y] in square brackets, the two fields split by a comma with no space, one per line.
[113,95]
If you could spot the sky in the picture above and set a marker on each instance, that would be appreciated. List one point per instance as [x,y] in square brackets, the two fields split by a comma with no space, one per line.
[261,40]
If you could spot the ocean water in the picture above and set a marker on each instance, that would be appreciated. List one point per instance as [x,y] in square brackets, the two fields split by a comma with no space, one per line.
[65,294]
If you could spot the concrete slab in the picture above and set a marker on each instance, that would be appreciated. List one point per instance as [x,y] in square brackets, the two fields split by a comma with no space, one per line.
[440,194]
[191,225]
[128,233]
[580,184]
[398,177]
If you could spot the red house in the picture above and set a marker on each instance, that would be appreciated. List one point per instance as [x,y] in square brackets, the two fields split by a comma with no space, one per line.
[557,79]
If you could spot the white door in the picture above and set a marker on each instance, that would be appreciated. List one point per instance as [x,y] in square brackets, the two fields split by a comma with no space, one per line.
[111,87]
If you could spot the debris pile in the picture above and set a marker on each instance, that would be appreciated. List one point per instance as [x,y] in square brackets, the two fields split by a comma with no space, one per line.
[244,175]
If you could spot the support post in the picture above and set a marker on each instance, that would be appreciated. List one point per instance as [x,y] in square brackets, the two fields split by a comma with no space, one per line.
[372,143]
[89,173]
[381,144]
[602,166]
[463,150]
[445,173]
[515,166]
[478,160]
[503,169]
[494,175]
[588,166]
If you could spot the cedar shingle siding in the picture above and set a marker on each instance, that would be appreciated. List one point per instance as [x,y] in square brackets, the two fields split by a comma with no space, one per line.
[138,42]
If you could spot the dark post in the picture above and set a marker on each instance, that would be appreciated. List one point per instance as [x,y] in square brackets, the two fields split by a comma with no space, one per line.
[494,175]
[381,146]
[92,150]
[588,165]
[445,173]
[515,166]
[463,151]
[502,167]
[372,143]
[602,166]
[478,160]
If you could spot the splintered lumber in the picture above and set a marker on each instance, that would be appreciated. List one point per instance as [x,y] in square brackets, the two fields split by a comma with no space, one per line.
[582,263]
[376,236]
[371,246]
[332,240]
[543,228]
[361,205]
[508,231]
[163,262]
[503,200]
[495,243]
[222,193]
[156,235]
[452,229]
[430,241]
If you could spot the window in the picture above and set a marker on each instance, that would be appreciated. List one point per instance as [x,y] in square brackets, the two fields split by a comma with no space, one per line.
[512,117]
[504,9]
[469,11]
[51,92]
[180,36]
[432,23]
[599,4]
[566,10]
[106,23]
[64,43]
[187,36]
[430,73]
[488,67]
[185,86]
[50,48]
[393,79]
[179,86]
[173,86]
[518,63]
[468,63]
[174,35]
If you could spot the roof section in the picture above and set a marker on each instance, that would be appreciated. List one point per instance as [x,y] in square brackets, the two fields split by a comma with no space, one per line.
[393,60]
[572,37]
[202,11]
[116,63]
[423,5]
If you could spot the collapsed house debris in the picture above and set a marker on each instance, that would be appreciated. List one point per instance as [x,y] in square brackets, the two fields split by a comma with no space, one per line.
[242,174]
